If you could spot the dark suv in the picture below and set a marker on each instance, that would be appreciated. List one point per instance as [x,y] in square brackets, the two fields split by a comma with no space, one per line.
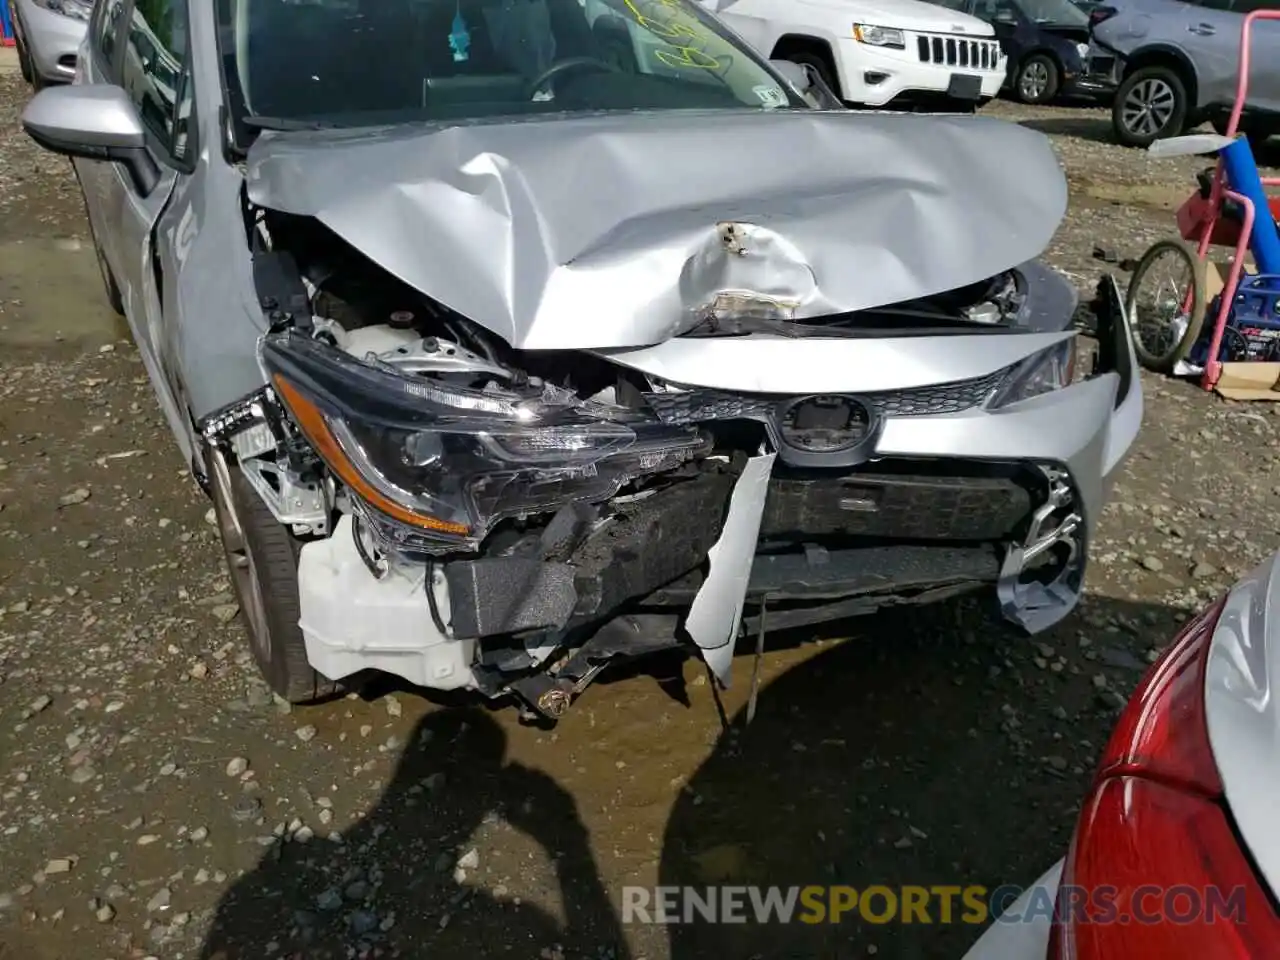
[1177,63]
[1045,41]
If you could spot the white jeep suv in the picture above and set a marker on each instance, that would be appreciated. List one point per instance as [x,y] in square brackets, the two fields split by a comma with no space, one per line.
[876,52]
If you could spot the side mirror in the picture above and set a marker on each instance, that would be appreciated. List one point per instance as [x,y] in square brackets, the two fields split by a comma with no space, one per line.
[93,122]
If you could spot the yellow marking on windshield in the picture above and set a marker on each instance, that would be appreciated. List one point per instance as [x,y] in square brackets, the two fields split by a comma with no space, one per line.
[681,55]
[689,57]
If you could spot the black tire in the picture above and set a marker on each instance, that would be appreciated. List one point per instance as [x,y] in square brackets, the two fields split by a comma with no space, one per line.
[264,557]
[115,299]
[1259,141]
[1150,105]
[819,63]
[24,64]
[1038,79]
[1258,135]
[1164,361]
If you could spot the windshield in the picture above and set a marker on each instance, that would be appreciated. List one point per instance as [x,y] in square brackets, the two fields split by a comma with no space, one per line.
[368,62]
[1058,12]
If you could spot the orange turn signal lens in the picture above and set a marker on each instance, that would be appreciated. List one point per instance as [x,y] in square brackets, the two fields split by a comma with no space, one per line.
[313,425]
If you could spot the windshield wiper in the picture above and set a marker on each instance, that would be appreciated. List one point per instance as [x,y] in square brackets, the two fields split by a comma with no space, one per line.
[286,124]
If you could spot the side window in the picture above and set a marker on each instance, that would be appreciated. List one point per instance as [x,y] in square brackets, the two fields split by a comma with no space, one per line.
[110,16]
[1248,6]
[156,72]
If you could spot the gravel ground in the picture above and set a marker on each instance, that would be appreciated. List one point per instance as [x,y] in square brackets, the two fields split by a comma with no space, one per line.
[156,802]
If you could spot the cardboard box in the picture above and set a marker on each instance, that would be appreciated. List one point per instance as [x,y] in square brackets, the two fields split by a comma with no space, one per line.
[1215,279]
[1239,381]
[1249,381]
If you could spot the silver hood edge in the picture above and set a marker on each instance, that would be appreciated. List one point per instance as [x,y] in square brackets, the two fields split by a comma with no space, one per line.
[612,231]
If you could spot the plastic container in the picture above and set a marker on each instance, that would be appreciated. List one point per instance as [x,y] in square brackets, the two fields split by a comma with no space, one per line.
[6,25]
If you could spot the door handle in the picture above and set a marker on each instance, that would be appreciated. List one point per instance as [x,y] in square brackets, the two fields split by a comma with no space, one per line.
[1203,29]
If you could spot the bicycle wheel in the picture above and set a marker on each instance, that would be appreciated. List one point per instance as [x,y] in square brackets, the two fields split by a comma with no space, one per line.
[1166,304]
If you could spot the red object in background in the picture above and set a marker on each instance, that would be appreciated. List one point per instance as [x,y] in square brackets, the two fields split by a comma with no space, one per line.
[1099,14]
[1226,231]
[1155,822]
[6,25]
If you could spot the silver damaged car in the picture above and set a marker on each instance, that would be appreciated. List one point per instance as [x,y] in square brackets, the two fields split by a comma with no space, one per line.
[514,340]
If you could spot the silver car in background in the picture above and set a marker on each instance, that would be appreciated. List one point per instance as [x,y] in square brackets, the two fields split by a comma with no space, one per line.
[1176,64]
[49,34]
[504,358]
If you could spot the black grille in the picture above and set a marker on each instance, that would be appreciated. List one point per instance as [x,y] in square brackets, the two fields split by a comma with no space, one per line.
[904,507]
[950,51]
[693,406]
[940,398]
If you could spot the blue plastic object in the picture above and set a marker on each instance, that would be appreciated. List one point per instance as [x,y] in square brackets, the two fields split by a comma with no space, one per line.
[6,22]
[1242,175]
[460,38]
[1252,331]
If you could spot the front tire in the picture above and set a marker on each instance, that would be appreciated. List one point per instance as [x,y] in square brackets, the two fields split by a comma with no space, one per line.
[819,63]
[262,558]
[1166,303]
[1150,105]
[24,64]
[115,299]
[1038,79]
[1258,136]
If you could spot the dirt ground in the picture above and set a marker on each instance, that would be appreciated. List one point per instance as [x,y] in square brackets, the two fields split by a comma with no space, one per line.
[156,802]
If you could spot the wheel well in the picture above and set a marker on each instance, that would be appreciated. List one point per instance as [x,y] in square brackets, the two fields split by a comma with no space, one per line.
[1170,59]
[1041,52]
[792,43]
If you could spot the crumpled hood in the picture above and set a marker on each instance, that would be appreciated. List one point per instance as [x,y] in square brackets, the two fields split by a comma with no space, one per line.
[623,230]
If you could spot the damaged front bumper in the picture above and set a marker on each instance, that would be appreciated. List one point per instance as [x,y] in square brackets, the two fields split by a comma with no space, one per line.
[951,498]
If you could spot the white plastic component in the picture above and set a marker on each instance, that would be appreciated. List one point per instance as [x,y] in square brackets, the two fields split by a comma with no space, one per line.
[716,612]
[1190,145]
[352,621]
[380,338]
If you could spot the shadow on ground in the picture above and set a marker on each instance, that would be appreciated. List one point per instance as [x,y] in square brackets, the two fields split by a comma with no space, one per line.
[1094,128]
[1098,130]
[930,753]
[388,882]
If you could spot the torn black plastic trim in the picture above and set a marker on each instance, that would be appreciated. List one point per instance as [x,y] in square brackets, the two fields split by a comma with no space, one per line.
[1112,336]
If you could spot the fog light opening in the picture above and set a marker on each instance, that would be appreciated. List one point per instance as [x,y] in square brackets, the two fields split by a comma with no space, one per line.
[1043,571]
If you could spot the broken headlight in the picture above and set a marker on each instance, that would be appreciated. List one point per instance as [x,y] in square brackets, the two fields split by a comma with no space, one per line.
[1043,372]
[447,460]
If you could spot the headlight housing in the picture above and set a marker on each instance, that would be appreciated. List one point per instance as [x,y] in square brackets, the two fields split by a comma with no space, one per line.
[1083,50]
[76,9]
[437,465]
[874,36]
[1043,372]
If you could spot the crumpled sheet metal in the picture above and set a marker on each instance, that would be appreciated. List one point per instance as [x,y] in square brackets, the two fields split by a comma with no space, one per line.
[716,612]
[623,230]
